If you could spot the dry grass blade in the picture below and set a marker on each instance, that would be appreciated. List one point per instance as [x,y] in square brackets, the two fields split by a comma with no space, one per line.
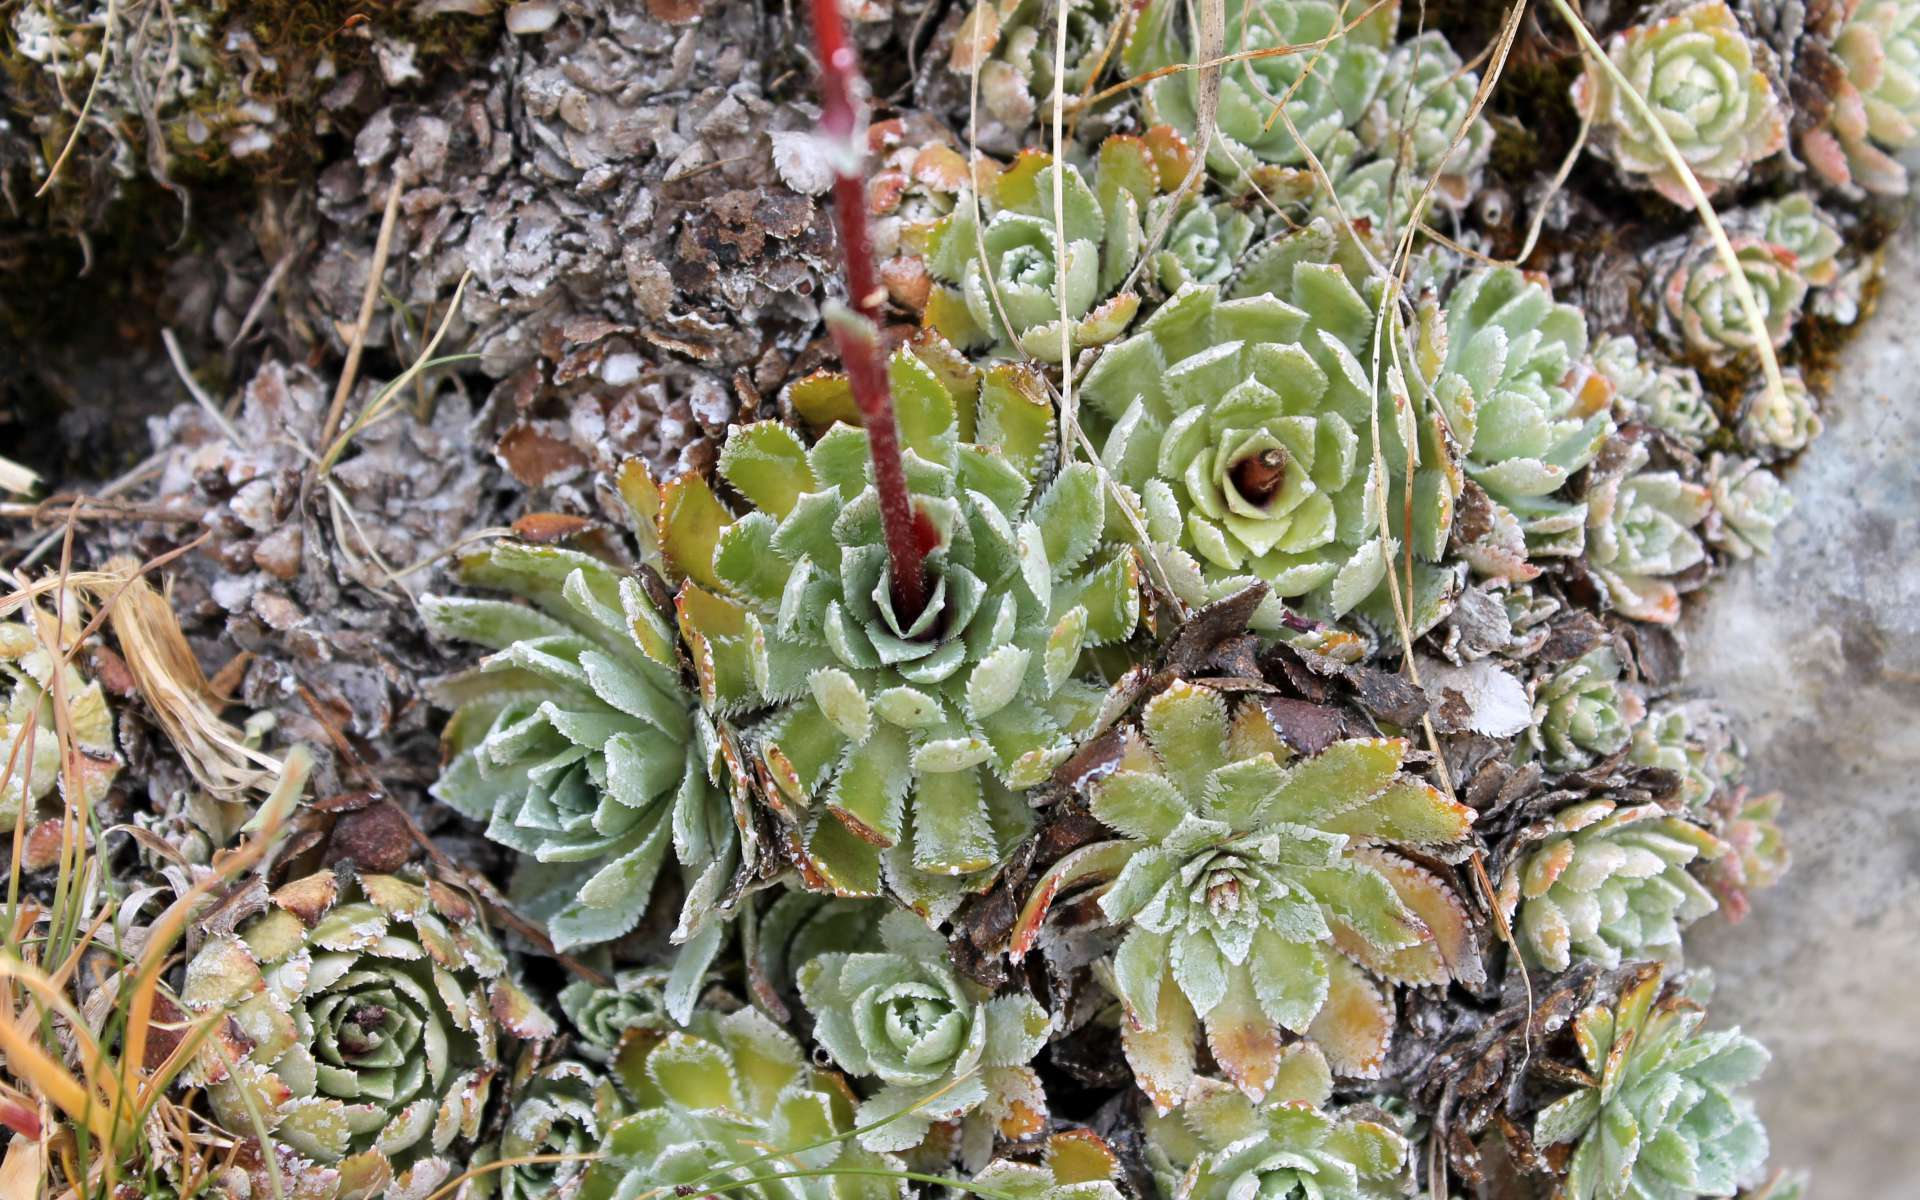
[1069,419]
[268,822]
[1279,113]
[350,371]
[24,1168]
[1559,181]
[334,446]
[1129,507]
[261,297]
[169,677]
[107,29]
[1116,38]
[92,508]
[144,470]
[1396,281]
[45,1074]
[194,389]
[1401,599]
[1499,52]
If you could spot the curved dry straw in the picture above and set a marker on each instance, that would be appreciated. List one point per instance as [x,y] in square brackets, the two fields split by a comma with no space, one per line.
[86,107]
[1742,290]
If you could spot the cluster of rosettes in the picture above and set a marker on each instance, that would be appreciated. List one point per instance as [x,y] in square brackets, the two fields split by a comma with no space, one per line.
[1247,898]
[1695,84]
[1170,385]
[1316,94]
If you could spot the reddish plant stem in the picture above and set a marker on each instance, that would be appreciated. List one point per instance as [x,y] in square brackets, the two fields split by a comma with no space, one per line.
[859,348]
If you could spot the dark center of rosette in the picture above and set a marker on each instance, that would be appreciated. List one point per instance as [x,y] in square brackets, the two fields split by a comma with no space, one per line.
[1258,476]
[377,1033]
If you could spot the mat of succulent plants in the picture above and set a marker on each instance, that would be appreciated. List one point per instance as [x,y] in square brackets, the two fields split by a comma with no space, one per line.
[1015,600]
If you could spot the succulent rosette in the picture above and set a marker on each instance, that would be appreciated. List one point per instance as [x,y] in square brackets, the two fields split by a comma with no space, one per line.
[1603,882]
[800,926]
[936,1047]
[579,746]
[1206,242]
[712,1105]
[1222,1146]
[1261,893]
[1696,306]
[1798,223]
[1246,428]
[1749,502]
[1425,104]
[1642,532]
[1519,402]
[363,1021]
[1014,283]
[601,1014]
[1667,398]
[30,766]
[1011,43]
[1690,740]
[1873,97]
[1377,196]
[1325,89]
[1677,405]
[1658,1110]
[1757,854]
[895,744]
[1583,711]
[1700,74]
[565,1111]
[1773,424]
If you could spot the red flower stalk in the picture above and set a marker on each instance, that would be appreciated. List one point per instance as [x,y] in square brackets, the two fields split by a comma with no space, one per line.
[857,334]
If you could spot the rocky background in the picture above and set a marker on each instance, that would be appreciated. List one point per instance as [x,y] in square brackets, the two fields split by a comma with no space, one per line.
[1814,650]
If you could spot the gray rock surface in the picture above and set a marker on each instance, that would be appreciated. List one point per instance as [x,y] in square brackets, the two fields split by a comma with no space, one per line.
[1816,651]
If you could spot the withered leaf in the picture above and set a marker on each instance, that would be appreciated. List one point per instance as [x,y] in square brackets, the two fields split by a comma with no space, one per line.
[1201,635]
[1574,633]
[309,898]
[536,458]
[1303,725]
[546,528]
